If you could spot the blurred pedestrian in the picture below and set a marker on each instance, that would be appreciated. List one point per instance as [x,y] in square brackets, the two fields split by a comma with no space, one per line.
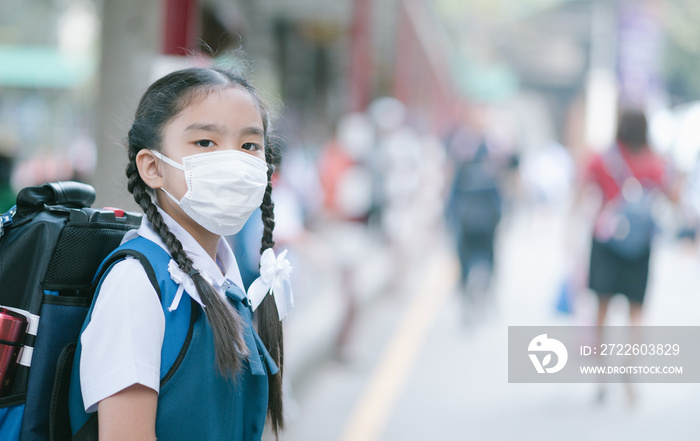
[474,208]
[399,148]
[347,182]
[629,176]
[689,205]
[547,174]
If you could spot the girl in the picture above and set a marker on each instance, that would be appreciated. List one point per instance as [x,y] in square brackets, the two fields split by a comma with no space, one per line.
[199,165]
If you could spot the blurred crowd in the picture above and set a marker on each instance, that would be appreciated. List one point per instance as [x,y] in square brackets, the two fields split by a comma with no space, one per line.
[378,183]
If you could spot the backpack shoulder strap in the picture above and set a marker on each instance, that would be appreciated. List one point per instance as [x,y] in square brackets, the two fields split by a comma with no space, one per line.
[617,166]
[179,324]
[123,252]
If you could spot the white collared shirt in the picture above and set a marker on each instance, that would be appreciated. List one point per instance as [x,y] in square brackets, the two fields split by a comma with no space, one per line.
[122,342]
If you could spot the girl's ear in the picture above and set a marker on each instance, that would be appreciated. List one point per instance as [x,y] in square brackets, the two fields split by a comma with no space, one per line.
[147,164]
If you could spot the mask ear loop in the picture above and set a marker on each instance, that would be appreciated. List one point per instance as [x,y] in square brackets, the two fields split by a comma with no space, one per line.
[169,195]
[168,161]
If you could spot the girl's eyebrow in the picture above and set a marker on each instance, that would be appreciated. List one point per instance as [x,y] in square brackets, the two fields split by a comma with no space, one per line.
[197,127]
[252,130]
[216,128]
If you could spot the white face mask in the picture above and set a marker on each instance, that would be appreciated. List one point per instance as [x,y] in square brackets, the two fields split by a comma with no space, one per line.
[223,188]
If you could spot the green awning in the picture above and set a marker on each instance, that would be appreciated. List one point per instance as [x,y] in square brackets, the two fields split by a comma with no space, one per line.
[482,82]
[42,67]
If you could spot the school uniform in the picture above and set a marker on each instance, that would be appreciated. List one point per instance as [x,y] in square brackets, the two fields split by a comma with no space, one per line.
[129,328]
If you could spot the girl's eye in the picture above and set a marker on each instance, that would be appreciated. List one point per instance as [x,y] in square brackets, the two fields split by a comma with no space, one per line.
[251,146]
[205,143]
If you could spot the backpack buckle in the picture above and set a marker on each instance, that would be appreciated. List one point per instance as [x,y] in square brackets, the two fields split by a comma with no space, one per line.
[6,219]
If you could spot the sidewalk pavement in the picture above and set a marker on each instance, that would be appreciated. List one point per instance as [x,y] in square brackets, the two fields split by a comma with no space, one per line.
[533,259]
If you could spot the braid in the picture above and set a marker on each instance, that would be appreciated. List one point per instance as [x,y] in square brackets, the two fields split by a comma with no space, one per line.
[226,323]
[270,327]
[267,208]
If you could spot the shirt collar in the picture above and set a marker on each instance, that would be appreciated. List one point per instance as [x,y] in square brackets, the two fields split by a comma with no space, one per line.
[200,259]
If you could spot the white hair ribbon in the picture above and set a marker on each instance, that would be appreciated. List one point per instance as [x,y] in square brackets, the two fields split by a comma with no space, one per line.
[274,278]
[186,284]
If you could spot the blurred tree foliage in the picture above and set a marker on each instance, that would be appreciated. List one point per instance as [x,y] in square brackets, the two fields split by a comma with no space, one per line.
[682,50]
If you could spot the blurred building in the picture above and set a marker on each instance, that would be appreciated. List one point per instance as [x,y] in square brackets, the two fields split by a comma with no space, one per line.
[328,58]
[47,84]
[74,69]
[75,66]
[578,59]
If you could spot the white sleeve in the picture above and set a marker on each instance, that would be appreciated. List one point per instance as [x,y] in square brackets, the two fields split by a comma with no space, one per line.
[123,341]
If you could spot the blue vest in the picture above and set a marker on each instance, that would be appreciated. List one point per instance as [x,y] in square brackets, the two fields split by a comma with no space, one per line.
[195,401]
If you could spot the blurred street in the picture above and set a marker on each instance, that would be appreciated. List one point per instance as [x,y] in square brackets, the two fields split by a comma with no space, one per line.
[416,372]
[419,140]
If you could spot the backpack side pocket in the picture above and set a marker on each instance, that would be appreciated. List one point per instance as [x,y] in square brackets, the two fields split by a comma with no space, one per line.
[61,320]
[59,421]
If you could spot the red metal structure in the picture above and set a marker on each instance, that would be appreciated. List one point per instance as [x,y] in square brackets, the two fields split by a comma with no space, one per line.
[360,75]
[422,79]
[181,26]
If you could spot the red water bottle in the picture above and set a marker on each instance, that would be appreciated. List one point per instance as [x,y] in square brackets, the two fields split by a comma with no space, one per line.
[13,327]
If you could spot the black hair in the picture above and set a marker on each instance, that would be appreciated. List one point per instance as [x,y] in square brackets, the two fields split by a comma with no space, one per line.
[162,102]
[632,129]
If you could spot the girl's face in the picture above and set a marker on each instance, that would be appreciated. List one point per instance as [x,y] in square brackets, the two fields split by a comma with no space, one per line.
[226,119]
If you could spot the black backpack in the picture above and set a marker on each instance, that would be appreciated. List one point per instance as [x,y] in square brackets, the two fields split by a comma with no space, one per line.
[478,200]
[51,245]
